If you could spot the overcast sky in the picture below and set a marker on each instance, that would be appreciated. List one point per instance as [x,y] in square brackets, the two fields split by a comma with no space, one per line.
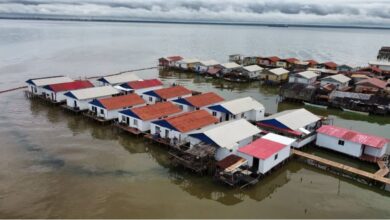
[334,12]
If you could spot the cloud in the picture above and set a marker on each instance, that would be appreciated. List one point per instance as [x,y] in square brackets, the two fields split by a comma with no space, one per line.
[329,12]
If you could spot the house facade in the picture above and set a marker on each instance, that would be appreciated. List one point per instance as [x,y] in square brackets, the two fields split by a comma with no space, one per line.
[176,128]
[277,75]
[79,99]
[55,92]
[266,152]
[247,108]
[307,77]
[252,71]
[108,108]
[139,118]
[339,81]
[351,142]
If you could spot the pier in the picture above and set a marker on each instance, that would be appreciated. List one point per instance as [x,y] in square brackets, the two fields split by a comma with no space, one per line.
[379,176]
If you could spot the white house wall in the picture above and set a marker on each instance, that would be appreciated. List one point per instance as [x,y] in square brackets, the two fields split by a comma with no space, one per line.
[376,152]
[271,162]
[304,142]
[350,148]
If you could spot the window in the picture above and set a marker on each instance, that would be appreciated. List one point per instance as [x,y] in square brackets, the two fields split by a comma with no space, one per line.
[181,107]
[123,118]
[214,113]
[341,142]
[242,115]
[102,111]
[233,116]
[135,122]
[150,99]
[158,129]
[276,157]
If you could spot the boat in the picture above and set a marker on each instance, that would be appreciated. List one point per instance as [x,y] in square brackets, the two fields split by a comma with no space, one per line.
[353,111]
[315,105]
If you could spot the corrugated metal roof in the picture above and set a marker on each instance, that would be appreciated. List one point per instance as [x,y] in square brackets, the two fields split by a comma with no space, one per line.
[171,92]
[94,92]
[189,60]
[279,138]
[375,82]
[49,80]
[279,71]
[158,110]
[240,105]
[308,74]
[338,77]
[209,62]
[78,84]
[204,99]
[353,136]
[273,58]
[119,102]
[230,65]
[228,133]
[121,78]
[141,84]
[295,118]
[191,120]
[253,68]
[262,148]
[330,64]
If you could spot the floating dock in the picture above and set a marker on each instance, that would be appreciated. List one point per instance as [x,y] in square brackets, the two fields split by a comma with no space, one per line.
[379,176]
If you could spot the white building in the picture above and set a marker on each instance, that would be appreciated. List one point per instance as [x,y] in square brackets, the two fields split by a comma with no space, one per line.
[166,94]
[266,152]
[205,65]
[118,79]
[351,142]
[140,118]
[176,128]
[339,81]
[227,136]
[247,108]
[383,65]
[306,77]
[229,67]
[55,92]
[108,108]
[140,86]
[187,63]
[35,86]
[252,71]
[297,123]
[197,102]
[79,99]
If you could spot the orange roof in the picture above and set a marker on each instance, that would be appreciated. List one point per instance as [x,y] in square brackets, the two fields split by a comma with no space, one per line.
[292,60]
[192,120]
[273,59]
[171,92]
[204,99]
[119,102]
[158,110]
[374,82]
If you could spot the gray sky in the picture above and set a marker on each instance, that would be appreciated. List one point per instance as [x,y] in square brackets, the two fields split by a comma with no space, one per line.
[333,12]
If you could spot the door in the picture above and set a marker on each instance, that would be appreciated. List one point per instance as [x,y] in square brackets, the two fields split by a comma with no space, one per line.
[255,164]
[166,133]
[75,103]
[52,96]
[226,117]
[127,121]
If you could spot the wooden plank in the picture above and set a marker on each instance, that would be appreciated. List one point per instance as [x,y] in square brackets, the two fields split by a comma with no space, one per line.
[373,176]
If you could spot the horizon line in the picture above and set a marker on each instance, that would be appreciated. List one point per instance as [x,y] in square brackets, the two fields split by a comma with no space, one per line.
[280,25]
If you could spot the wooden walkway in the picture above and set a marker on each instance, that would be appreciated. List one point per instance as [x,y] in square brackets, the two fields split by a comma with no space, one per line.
[378,176]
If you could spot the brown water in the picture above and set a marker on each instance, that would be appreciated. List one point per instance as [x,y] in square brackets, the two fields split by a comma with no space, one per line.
[57,165]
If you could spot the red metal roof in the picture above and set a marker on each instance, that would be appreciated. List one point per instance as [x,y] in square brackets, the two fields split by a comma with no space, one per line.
[213,70]
[273,58]
[174,58]
[292,60]
[158,110]
[78,84]
[204,99]
[119,102]
[141,84]
[192,120]
[312,62]
[373,81]
[353,136]
[262,148]
[330,64]
[171,92]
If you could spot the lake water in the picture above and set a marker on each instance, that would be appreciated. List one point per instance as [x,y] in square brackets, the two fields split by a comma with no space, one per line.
[57,165]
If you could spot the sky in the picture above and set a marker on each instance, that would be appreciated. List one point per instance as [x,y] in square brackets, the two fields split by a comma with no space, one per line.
[316,12]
